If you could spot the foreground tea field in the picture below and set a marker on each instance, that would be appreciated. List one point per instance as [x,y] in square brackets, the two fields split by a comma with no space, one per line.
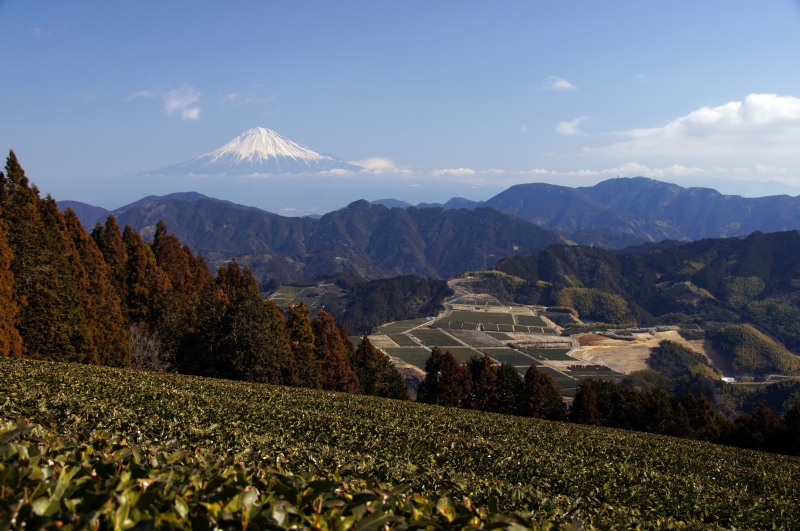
[555,470]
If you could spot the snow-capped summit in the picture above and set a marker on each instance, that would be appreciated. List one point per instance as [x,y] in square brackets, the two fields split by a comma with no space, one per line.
[259,151]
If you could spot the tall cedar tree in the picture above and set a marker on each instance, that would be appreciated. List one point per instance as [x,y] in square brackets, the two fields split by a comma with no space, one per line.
[10,340]
[377,375]
[509,386]
[108,338]
[51,318]
[484,395]
[200,351]
[253,339]
[584,407]
[188,275]
[146,284]
[446,382]
[109,241]
[330,351]
[300,334]
[540,396]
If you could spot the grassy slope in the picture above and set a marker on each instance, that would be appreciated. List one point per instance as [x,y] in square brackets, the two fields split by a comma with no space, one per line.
[614,475]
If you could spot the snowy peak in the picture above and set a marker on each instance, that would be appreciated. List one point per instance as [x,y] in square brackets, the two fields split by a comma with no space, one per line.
[259,145]
[260,151]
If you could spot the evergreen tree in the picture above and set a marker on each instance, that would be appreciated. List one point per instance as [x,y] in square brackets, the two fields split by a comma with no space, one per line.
[584,407]
[10,340]
[791,421]
[51,318]
[253,342]
[377,375]
[446,382]
[109,241]
[307,368]
[484,394]
[705,424]
[146,284]
[540,396]
[106,324]
[200,352]
[509,386]
[332,355]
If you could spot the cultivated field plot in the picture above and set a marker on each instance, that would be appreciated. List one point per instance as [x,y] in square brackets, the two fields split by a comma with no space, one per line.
[195,435]
[530,320]
[449,325]
[463,354]
[500,336]
[480,317]
[512,357]
[594,371]
[403,340]
[399,327]
[412,356]
[432,337]
[552,354]
[476,338]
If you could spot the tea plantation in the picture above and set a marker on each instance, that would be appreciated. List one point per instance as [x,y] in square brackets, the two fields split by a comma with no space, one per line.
[117,449]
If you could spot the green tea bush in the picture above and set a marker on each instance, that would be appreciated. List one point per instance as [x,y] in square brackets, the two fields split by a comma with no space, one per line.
[120,449]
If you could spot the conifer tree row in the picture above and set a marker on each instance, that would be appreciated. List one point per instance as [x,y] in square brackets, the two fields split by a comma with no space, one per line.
[111,298]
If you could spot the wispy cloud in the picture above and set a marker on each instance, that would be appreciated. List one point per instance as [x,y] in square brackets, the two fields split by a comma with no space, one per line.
[179,99]
[572,127]
[192,113]
[142,94]
[762,124]
[454,171]
[247,98]
[379,165]
[558,83]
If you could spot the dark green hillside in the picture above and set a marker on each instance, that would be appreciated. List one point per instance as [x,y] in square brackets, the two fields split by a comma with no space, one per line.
[750,351]
[234,431]
[363,305]
[719,280]
[371,241]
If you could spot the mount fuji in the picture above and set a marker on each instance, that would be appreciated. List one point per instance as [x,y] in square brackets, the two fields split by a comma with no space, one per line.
[259,151]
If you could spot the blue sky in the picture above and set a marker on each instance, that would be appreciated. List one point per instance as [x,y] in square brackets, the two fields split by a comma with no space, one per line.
[465,98]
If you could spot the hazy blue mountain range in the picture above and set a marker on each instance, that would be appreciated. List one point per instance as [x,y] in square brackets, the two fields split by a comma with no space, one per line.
[626,211]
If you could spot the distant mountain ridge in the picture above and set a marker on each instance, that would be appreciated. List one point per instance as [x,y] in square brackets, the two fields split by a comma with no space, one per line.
[622,212]
[90,214]
[371,241]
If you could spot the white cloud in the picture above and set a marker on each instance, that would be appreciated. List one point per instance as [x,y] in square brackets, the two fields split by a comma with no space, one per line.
[770,169]
[762,124]
[523,129]
[180,98]
[233,96]
[191,114]
[571,127]
[557,83]
[454,171]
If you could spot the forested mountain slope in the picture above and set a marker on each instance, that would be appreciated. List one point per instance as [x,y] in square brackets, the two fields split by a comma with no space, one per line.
[371,241]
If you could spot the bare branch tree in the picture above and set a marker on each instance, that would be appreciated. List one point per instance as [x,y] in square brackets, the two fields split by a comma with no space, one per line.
[147,353]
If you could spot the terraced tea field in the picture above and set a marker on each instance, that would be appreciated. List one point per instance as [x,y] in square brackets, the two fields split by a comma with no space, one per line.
[179,452]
